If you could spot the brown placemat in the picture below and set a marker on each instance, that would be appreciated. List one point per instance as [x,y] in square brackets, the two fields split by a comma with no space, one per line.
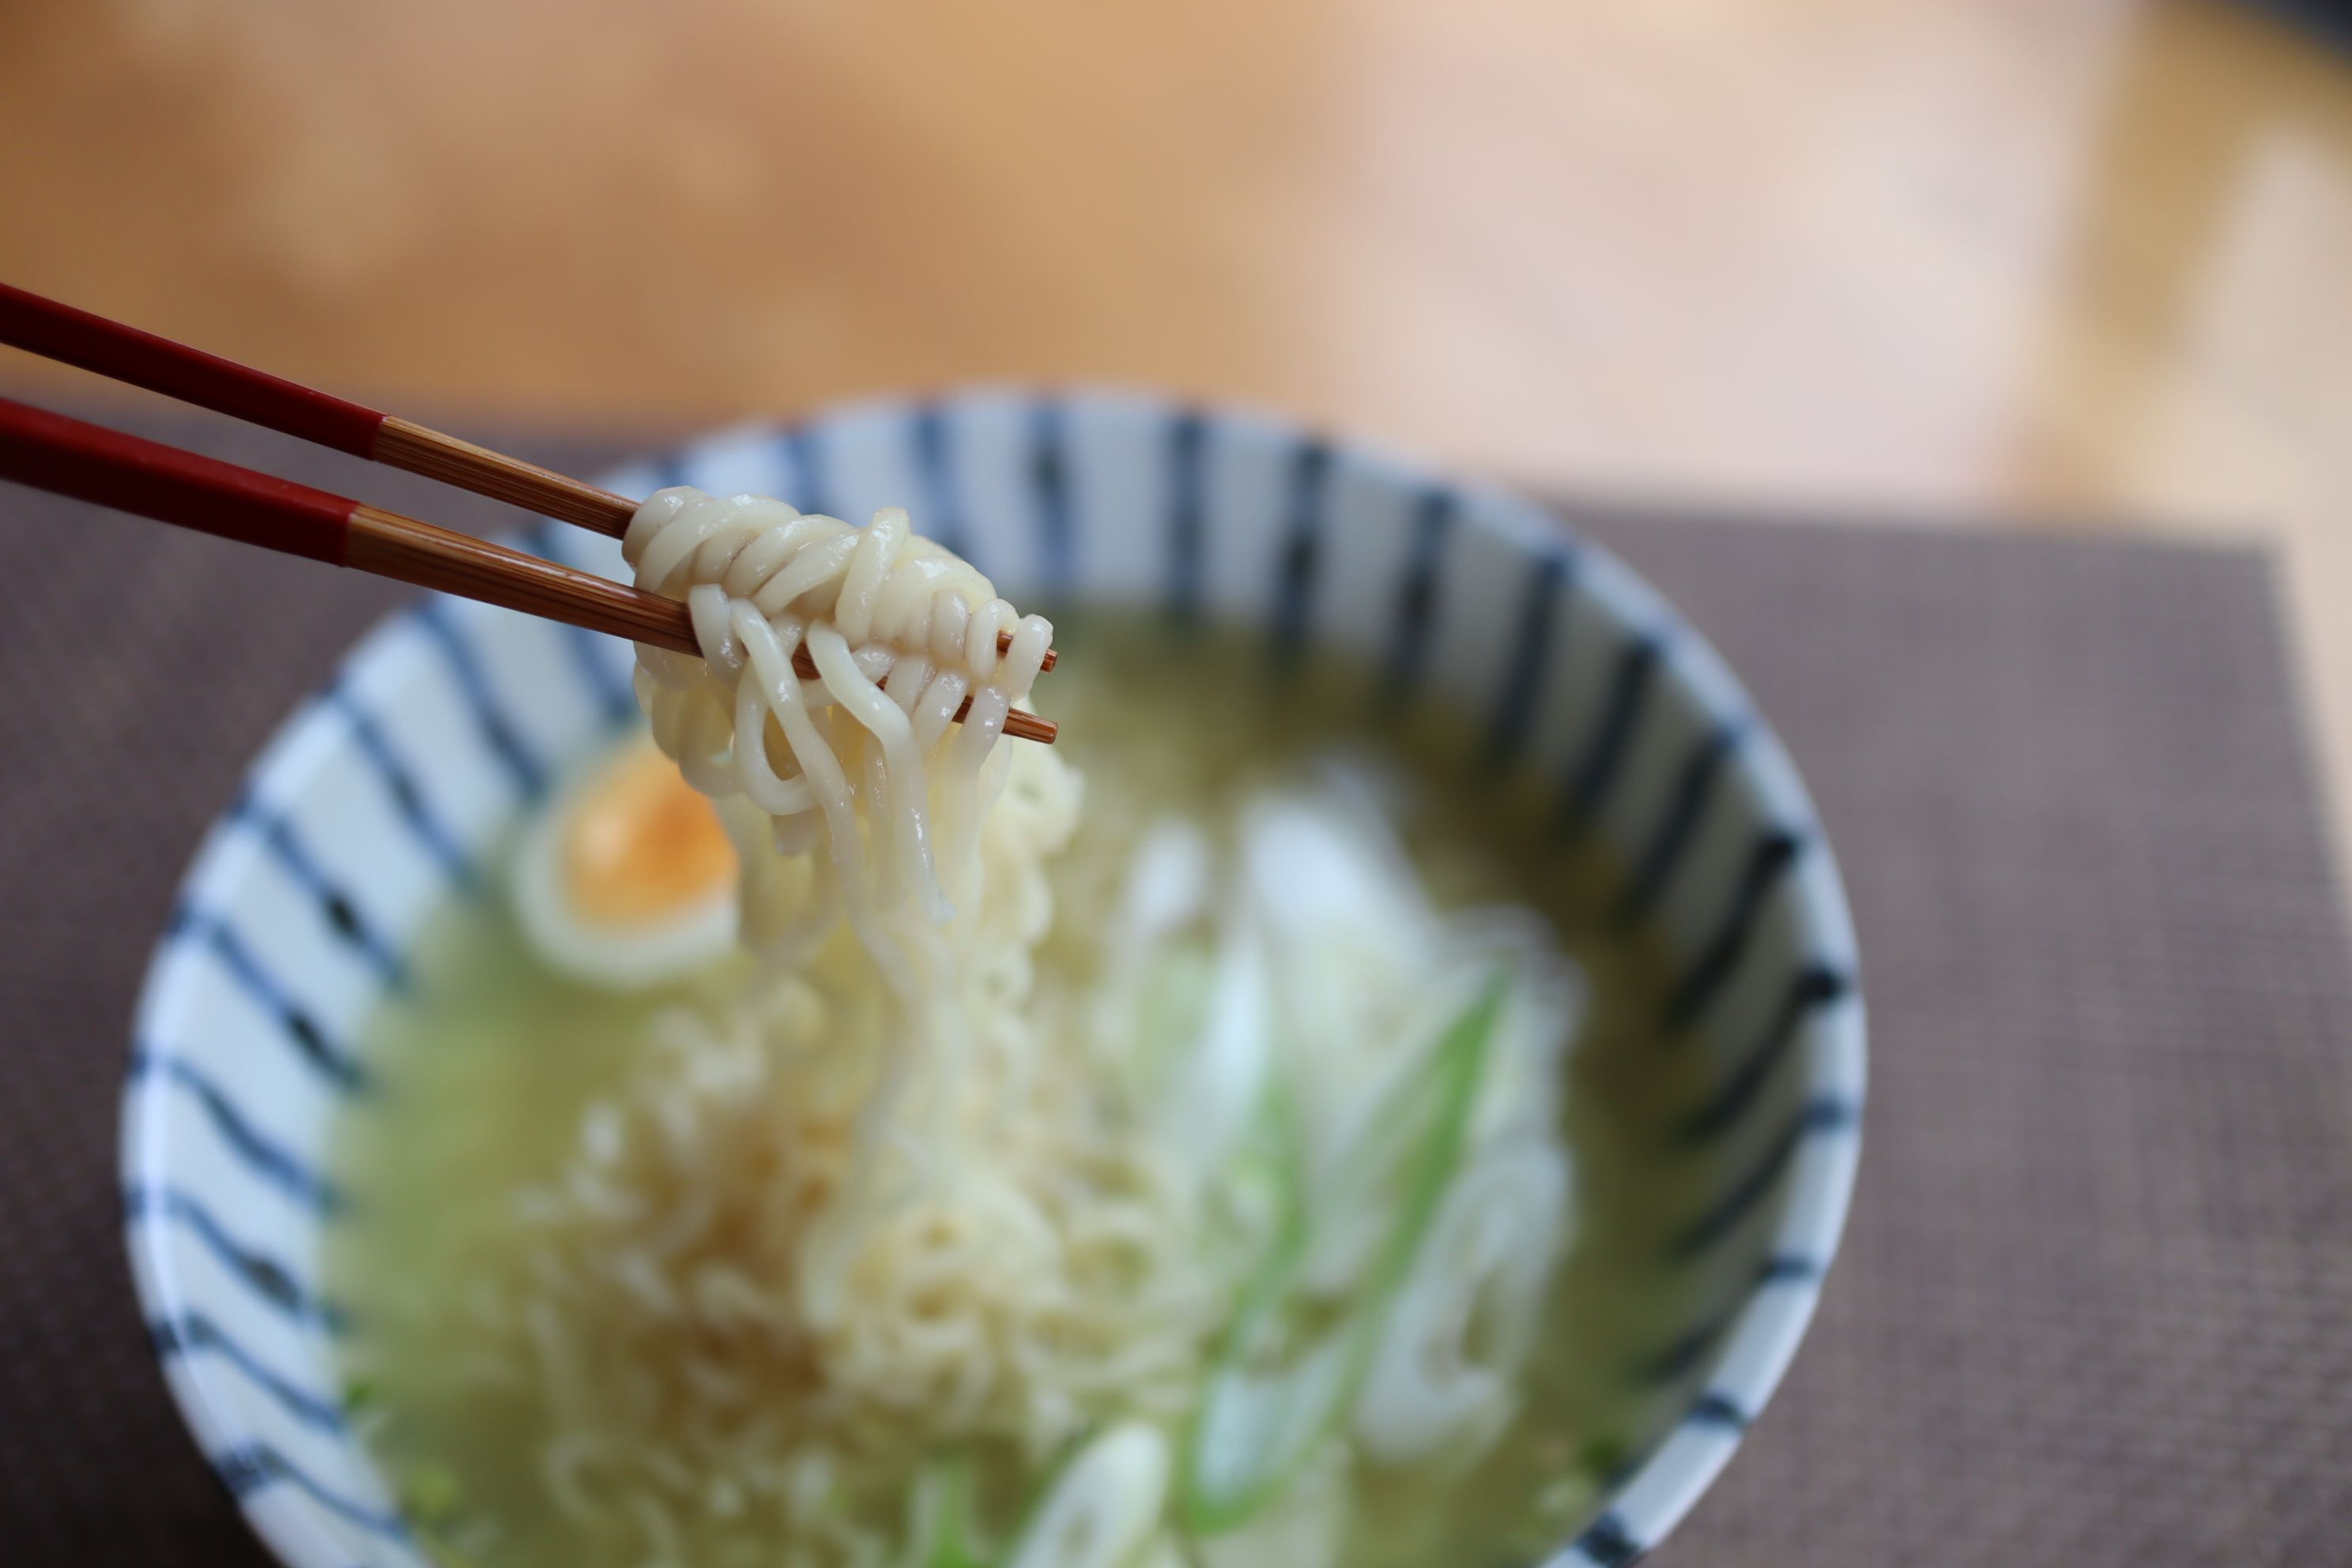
[2093,1308]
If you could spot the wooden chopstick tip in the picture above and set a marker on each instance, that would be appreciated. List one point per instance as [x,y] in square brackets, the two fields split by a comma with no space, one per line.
[1023,725]
[405,444]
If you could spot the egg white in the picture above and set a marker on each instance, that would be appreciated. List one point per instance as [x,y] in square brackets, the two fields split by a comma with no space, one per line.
[625,956]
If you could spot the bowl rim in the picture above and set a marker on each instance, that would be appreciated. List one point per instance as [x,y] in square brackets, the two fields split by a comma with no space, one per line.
[1755,1342]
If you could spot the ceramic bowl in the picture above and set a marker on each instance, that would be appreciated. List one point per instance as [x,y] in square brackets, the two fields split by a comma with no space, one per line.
[380,798]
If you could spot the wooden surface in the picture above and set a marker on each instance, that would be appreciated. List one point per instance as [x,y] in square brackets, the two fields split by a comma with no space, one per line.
[2077,261]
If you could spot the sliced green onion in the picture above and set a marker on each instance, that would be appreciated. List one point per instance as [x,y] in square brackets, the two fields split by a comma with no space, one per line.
[943,1532]
[1285,1374]
[1103,1508]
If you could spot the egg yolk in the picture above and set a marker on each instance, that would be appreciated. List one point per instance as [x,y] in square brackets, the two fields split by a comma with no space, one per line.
[640,843]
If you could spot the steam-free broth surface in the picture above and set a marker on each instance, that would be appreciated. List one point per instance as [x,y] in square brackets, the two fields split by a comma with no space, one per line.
[490,1065]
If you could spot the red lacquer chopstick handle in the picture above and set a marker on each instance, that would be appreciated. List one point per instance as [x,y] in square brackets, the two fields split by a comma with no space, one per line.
[51,452]
[74,337]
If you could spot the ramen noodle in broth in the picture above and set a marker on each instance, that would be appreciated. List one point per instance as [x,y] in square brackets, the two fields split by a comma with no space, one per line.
[1192,1144]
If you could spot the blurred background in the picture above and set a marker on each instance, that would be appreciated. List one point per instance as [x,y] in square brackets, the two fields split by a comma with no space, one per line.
[2075,264]
[2036,266]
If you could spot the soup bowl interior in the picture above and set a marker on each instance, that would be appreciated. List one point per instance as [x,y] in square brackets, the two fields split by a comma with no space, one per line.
[381,799]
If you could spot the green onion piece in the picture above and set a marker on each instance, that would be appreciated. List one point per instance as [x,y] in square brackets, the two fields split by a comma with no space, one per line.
[1282,1382]
[943,1523]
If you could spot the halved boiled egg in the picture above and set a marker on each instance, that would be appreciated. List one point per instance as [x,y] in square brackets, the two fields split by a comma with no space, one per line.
[624,878]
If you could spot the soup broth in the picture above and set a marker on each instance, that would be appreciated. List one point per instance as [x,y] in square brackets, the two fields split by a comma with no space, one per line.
[491,1062]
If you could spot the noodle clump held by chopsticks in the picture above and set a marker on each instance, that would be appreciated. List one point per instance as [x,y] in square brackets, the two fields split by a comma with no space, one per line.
[843,760]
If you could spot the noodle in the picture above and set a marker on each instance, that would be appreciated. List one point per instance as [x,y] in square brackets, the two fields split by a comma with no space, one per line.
[900,632]
[891,1211]
[834,1189]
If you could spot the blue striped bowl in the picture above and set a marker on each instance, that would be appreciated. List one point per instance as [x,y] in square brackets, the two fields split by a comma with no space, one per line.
[378,800]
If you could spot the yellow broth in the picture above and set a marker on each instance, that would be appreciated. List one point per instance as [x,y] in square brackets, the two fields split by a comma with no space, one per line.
[487,1065]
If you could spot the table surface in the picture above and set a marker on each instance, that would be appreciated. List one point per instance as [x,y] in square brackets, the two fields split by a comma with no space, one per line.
[2089,1309]
[2085,264]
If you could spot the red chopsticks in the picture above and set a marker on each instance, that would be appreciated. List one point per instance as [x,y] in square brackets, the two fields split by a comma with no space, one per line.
[51,452]
[75,337]
[68,457]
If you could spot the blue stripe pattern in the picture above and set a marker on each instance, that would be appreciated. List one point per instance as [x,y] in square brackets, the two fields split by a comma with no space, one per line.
[333,1061]
[261,1154]
[1187,541]
[935,463]
[341,915]
[1629,687]
[1682,1355]
[250,1467]
[497,732]
[1768,862]
[1685,808]
[1607,1543]
[193,1332]
[809,477]
[1816,986]
[606,686]
[1820,1116]
[1049,485]
[1416,605]
[1514,706]
[1302,546]
[1716,1409]
[400,784]
[269,1279]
